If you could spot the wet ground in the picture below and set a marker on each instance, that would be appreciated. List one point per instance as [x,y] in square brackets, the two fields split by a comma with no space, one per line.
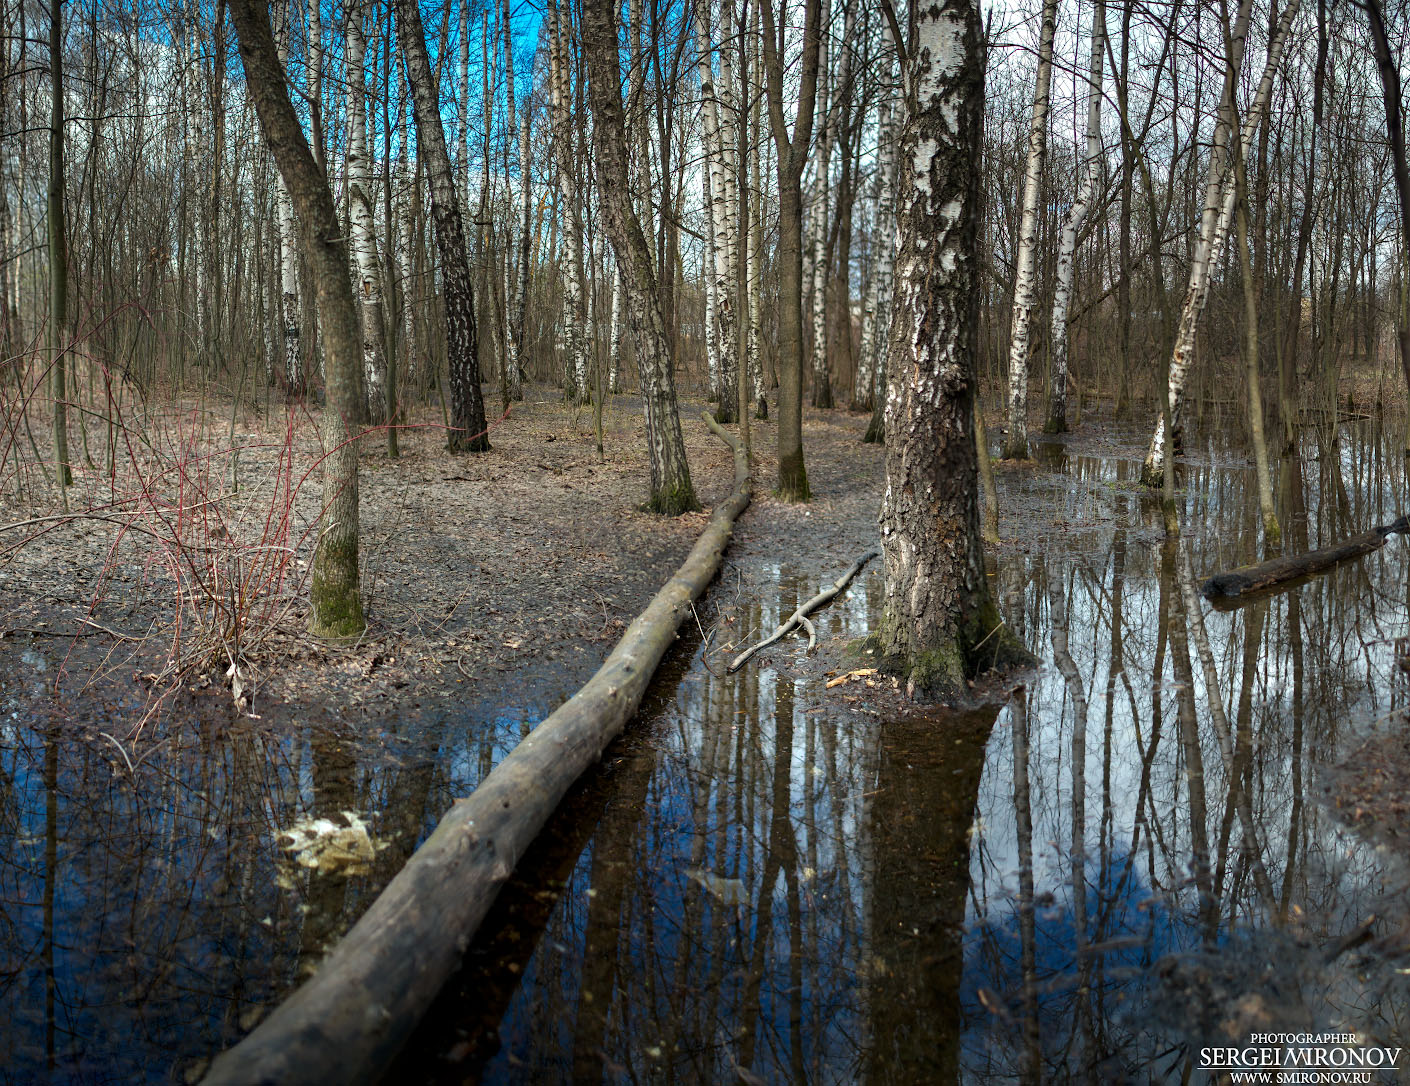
[1135,856]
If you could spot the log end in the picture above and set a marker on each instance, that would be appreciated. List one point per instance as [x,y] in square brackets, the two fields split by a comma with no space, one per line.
[1225,586]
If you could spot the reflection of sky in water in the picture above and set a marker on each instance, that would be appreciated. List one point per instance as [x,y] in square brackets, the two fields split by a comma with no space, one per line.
[767,876]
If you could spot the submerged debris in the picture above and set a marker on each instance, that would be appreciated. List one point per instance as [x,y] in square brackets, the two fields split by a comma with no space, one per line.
[338,845]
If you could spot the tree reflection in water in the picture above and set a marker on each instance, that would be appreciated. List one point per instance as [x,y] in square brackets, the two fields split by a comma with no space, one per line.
[1122,862]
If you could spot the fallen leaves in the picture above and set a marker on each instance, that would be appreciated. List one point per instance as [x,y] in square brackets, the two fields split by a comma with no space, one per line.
[861,673]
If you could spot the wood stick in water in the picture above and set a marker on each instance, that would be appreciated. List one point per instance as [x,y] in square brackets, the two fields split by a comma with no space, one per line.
[800,616]
[1248,579]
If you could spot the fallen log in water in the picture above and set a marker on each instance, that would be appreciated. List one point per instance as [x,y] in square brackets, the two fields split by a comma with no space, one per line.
[1245,580]
[348,1022]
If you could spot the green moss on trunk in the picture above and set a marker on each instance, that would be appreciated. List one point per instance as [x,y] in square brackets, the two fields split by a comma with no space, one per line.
[333,592]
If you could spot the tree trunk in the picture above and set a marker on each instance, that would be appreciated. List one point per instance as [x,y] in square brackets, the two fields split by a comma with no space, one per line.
[671,489]
[1072,226]
[58,253]
[1214,226]
[1025,281]
[333,587]
[940,623]
[468,431]
[364,231]
[792,156]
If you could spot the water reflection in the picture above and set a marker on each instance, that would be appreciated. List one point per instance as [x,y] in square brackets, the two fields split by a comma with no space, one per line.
[1123,862]
[1120,865]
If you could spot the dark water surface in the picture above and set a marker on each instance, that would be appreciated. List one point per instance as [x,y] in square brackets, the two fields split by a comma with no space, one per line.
[1126,861]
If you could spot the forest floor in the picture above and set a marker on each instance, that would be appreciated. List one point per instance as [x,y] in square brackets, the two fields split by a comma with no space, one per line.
[505,576]
[494,579]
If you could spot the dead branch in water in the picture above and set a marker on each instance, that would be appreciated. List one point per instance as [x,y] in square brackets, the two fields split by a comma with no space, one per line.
[800,616]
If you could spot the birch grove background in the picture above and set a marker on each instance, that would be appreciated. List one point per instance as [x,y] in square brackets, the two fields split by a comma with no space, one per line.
[1113,133]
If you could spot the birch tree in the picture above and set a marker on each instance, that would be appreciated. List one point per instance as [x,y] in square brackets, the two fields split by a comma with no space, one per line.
[938,609]
[288,253]
[364,233]
[1025,276]
[722,207]
[574,336]
[1214,221]
[1072,225]
[468,432]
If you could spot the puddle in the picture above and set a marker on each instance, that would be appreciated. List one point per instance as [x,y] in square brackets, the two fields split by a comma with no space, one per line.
[765,881]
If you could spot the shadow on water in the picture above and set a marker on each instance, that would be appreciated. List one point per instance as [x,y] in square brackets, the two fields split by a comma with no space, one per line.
[1125,862]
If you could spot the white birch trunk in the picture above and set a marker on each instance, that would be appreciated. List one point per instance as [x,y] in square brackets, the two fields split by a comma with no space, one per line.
[462,136]
[1214,224]
[722,202]
[408,198]
[575,363]
[288,261]
[818,219]
[364,231]
[1072,225]
[1025,281]
[515,290]
[876,312]
[756,214]
[614,365]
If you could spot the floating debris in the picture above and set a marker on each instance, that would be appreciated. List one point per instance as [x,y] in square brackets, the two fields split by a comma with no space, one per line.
[337,845]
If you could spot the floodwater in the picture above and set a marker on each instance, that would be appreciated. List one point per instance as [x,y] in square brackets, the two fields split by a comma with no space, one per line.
[1124,863]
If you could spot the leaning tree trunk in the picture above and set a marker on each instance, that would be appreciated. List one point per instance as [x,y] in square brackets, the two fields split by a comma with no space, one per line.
[468,431]
[1214,228]
[939,614]
[364,230]
[671,489]
[333,584]
[1025,277]
[1072,226]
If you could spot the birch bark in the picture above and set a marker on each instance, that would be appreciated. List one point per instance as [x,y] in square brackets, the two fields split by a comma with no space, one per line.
[1214,224]
[938,609]
[1072,226]
[1025,280]
[468,432]
[364,231]
[671,489]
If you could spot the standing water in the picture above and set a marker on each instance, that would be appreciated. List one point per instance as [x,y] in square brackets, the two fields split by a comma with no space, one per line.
[1095,878]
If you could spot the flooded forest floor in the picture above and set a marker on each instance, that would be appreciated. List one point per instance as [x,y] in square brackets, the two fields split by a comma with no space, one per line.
[771,870]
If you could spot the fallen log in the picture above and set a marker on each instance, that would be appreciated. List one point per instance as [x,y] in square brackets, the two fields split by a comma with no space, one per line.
[348,1021]
[1246,580]
[800,616]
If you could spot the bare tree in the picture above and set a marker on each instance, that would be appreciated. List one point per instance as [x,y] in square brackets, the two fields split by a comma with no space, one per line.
[671,489]
[334,586]
[938,608]
[792,157]
[468,432]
